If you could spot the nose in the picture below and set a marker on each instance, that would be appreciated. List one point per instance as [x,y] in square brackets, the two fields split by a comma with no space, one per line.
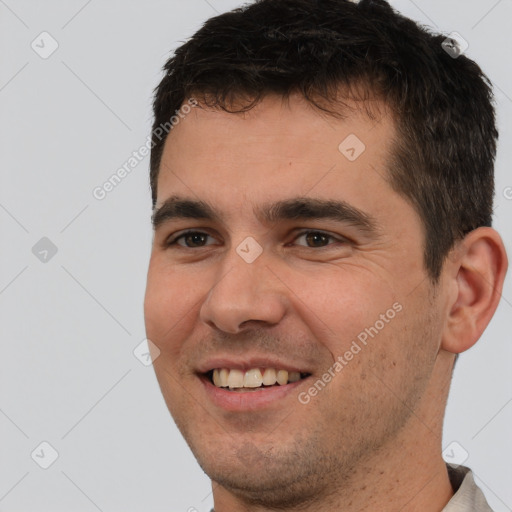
[244,293]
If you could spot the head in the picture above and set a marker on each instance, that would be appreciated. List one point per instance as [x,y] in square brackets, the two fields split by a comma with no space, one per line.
[351,122]
[443,155]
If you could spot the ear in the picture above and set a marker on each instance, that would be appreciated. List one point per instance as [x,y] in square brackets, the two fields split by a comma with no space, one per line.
[475,271]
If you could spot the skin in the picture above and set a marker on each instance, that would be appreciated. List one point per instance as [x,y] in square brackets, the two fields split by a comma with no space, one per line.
[371,439]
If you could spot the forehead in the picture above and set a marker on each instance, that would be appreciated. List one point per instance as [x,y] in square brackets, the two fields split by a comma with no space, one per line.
[280,148]
[287,122]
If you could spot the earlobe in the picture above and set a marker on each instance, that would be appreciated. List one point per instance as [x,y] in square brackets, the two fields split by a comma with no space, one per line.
[478,270]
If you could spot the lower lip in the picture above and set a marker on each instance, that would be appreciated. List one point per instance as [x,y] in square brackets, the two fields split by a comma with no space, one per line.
[249,400]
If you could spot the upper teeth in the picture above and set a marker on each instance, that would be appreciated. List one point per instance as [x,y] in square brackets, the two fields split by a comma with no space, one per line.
[253,378]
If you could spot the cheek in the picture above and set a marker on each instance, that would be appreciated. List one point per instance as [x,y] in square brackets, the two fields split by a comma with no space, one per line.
[169,302]
[335,303]
[339,305]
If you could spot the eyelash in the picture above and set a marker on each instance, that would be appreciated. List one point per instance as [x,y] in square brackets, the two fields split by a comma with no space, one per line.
[173,241]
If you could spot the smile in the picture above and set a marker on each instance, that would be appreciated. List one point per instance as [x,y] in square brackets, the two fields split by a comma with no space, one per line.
[252,379]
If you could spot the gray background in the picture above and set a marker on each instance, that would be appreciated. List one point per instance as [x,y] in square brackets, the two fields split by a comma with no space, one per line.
[68,375]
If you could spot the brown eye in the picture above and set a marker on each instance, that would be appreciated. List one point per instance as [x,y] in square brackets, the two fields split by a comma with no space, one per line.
[191,239]
[316,239]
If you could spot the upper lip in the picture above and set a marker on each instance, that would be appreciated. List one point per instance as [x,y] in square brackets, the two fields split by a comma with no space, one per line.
[246,363]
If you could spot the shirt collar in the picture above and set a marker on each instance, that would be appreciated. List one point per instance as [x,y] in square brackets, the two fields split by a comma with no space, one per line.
[468,497]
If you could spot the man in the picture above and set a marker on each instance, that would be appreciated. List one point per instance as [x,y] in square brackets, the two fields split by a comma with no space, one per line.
[323,250]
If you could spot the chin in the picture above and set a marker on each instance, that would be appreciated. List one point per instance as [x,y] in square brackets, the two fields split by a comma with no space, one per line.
[270,475]
[262,485]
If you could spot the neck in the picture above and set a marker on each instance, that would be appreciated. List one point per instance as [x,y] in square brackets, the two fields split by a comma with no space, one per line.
[408,473]
[410,483]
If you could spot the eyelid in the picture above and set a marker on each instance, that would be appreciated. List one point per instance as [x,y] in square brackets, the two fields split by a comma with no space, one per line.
[173,239]
[338,238]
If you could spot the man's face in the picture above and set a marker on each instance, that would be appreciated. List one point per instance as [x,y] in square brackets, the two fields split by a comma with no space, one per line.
[318,286]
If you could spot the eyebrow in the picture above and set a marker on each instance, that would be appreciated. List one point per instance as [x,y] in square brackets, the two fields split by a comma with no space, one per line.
[176,207]
[297,208]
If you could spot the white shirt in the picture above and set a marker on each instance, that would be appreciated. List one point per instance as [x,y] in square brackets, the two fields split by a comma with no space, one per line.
[468,497]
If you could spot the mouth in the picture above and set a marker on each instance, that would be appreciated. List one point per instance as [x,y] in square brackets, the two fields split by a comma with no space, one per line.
[253,379]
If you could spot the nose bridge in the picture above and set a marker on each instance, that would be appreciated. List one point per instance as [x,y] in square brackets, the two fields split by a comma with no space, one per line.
[245,290]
